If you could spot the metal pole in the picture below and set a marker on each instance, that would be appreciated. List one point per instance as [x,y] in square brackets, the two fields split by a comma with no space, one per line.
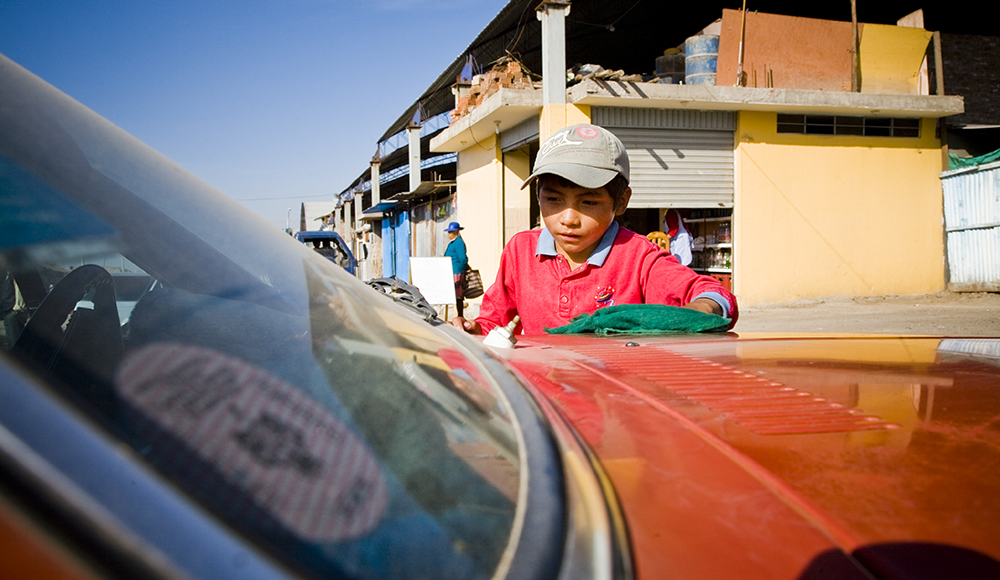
[855,49]
[938,65]
[741,77]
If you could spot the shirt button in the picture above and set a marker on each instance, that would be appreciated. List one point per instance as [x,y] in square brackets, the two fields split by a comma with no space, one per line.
[564,299]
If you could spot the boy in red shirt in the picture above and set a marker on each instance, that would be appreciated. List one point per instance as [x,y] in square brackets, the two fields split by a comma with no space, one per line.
[582,260]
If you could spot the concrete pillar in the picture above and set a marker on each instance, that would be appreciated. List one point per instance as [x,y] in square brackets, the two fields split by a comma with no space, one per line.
[413,133]
[349,219]
[376,197]
[373,269]
[552,14]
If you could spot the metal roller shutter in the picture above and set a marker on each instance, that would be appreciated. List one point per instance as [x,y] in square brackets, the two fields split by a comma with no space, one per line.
[521,134]
[677,158]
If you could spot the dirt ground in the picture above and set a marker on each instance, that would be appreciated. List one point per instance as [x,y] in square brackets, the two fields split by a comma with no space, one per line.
[945,313]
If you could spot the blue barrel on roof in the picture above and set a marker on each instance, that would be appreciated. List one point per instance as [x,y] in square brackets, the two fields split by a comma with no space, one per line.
[701,57]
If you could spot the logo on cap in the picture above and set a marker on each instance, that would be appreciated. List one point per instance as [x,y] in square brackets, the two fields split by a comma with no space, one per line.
[557,140]
[587,132]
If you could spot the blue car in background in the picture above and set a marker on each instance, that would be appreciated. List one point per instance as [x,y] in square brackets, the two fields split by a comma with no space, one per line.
[330,245]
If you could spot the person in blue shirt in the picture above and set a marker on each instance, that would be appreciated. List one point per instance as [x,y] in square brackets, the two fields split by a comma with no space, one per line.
[459,262]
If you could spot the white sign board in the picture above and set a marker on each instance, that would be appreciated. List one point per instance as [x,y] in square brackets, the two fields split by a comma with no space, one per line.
[434,278]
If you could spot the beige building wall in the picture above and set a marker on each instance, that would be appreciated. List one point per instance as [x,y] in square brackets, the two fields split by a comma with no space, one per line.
[516,201]
[824,216]
[480,206]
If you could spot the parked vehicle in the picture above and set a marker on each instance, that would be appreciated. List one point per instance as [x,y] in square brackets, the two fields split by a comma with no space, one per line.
[263,414]
[331,246]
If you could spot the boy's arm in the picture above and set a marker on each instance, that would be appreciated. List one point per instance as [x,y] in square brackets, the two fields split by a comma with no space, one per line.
[706,305]
[500,300]
[668,282]
[499,305]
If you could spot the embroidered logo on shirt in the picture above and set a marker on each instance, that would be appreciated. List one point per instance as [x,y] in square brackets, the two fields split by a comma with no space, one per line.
[605,296]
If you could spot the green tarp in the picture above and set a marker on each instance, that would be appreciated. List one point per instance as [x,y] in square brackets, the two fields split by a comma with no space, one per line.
[956,162]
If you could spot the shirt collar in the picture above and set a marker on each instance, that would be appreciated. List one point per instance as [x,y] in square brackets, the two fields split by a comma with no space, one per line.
[547,245]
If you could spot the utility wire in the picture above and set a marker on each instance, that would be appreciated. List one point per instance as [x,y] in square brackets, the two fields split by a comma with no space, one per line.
[611,26]
[289,197]
[521,26]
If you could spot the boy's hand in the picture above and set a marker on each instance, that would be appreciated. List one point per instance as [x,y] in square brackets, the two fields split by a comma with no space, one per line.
[470,326]
[706,305]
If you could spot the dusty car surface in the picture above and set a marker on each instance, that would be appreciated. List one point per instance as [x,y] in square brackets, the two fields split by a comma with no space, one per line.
[778,457]
[227,406]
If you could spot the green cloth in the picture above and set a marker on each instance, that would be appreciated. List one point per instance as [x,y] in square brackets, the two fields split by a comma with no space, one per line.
[643,319]
[956,162]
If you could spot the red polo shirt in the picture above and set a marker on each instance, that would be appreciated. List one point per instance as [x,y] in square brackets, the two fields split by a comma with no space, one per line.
[535,282]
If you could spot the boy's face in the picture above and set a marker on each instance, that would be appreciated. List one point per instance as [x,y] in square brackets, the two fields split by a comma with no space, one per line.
[576,216]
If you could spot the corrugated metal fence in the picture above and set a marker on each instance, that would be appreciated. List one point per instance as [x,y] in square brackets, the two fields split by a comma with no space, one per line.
[972,223]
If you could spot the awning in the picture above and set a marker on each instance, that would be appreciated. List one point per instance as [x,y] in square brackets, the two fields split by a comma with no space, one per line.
[377,212]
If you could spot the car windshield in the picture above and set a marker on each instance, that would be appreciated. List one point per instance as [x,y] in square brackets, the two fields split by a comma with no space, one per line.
[305,410]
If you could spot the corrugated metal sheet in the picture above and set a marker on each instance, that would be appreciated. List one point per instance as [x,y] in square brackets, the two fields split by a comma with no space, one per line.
[972,223]
[679,167]
[678,158]
[428,223]
[519,135]
[612,117]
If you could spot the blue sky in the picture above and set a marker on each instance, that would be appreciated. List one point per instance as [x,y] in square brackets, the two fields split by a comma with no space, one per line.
[272,102]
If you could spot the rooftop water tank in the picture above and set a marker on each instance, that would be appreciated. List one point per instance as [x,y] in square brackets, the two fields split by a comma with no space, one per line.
[701,59]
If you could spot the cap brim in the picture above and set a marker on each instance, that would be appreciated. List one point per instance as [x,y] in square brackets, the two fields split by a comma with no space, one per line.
[582,175]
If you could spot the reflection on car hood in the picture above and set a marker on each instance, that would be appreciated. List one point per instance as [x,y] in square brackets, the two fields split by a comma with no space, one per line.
[780,451]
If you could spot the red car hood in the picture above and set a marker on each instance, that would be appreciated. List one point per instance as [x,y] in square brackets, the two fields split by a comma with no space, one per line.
[789,457]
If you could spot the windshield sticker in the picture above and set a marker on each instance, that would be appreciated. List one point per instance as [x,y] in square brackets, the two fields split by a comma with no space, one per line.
[297,462]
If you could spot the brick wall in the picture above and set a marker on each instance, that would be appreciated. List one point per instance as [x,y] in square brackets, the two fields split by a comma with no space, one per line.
[972,70]
[509,75]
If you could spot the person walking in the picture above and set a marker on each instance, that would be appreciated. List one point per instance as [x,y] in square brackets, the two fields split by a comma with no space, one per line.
[459,262]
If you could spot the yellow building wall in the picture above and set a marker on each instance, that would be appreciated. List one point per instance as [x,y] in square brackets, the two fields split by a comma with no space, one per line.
[480,175]
[558,115]
[516,201]
[822,216]
[891,57]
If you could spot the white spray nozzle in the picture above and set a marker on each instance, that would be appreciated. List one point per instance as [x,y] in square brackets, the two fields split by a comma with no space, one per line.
[503,336]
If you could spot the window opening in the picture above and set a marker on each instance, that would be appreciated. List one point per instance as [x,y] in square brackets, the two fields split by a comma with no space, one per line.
[837,125]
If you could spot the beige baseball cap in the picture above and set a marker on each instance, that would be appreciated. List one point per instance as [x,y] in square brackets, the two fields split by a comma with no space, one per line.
[588,155]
